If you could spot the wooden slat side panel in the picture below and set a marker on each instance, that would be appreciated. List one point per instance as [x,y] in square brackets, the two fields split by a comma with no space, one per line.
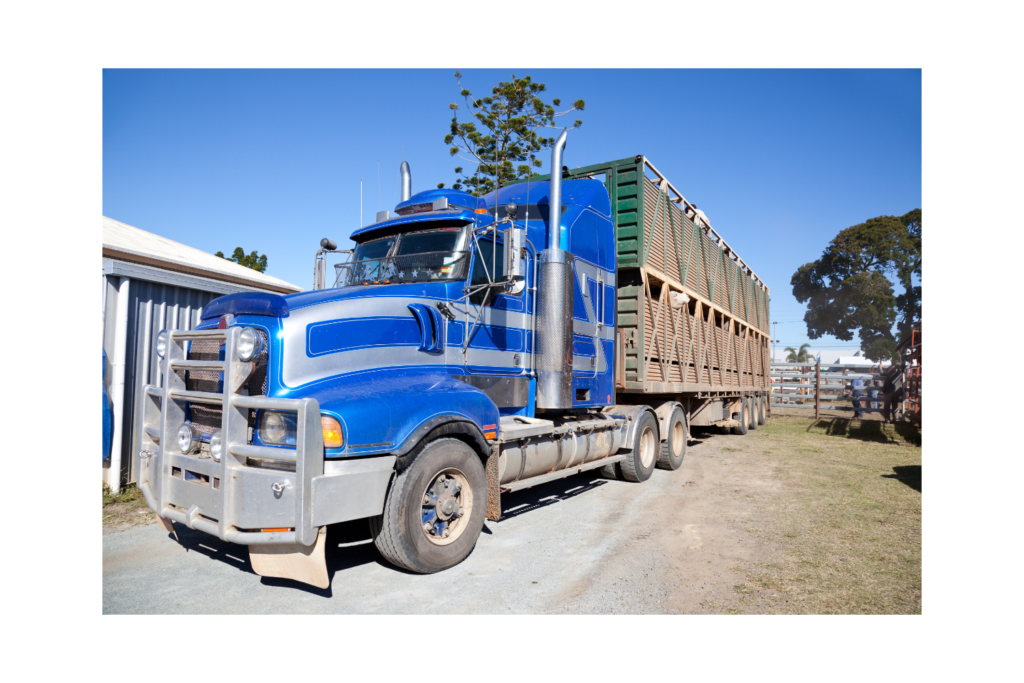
[669,243]
[691,345]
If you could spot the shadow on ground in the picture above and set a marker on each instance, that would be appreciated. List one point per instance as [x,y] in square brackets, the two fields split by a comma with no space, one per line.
[868,430]
[908,474]
[349,545]
[527,500]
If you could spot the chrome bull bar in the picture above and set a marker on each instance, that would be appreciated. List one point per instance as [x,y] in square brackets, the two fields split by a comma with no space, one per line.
[228,499]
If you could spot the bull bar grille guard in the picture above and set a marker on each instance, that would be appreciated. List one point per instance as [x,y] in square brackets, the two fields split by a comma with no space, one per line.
[247,497]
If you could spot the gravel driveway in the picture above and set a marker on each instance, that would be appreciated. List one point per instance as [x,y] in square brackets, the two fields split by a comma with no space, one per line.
[581,545]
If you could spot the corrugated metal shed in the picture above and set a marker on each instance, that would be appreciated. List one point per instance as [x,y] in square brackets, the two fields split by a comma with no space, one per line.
[127,243]
[155,284]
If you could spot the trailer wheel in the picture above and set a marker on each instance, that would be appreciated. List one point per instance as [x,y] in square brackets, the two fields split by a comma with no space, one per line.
[743,418]
[639,464]
[673,448]
[752,403]
[434,510]
[760,410]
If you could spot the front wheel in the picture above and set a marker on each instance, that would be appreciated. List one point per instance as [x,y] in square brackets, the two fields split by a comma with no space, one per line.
[435,509]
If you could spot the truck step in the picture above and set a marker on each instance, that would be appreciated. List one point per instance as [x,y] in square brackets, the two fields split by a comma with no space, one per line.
[515,427]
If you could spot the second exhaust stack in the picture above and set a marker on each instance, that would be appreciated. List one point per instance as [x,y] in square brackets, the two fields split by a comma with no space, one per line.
[406,181]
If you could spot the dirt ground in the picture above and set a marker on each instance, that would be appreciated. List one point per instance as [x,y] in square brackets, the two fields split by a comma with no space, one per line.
[799,516]
[125,509]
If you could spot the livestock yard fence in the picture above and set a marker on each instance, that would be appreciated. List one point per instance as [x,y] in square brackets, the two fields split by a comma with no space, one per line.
[817,386]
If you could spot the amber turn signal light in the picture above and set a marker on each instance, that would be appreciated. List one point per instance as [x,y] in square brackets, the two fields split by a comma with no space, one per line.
[332,432]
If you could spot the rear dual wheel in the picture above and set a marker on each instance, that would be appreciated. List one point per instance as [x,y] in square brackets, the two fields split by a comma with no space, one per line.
[743,417]
[673,448]
[639,464]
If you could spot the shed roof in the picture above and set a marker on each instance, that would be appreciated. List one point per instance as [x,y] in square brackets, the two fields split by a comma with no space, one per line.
[126,242]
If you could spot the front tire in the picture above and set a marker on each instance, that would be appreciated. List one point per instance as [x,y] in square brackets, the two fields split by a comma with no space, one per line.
[673,448]
[640,463]
[434,510]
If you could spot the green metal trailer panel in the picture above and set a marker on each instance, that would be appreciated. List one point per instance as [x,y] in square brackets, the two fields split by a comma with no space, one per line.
[692,316]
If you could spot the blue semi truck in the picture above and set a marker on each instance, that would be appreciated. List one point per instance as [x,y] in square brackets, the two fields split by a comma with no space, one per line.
[469,347]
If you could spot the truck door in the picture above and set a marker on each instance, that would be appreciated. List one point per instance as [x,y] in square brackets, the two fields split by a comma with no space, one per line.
[497,322]
[592,242]
[588,310]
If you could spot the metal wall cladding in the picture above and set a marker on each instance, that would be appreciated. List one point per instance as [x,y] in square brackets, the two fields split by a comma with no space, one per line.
[151,307]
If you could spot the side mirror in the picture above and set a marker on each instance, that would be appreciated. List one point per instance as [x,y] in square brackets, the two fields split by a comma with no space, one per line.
[515,259]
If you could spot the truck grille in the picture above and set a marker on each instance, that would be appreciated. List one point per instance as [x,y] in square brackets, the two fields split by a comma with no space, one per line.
[207,418]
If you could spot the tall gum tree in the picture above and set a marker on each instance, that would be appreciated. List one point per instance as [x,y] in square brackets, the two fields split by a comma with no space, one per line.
[850,288]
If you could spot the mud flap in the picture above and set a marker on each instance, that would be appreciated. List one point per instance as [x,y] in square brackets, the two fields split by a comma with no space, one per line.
[493,485]
[305,564]
[168,526]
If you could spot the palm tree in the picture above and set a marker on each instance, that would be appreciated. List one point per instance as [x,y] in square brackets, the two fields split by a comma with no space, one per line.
[798,356]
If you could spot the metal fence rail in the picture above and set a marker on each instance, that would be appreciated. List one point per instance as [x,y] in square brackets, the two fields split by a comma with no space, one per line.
[807,385]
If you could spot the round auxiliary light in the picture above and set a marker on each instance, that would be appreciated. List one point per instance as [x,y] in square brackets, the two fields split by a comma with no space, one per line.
[188,438]
[161,343]
[216,445]
[249,344]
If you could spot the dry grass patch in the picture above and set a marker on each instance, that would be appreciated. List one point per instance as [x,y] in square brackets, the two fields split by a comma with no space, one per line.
[850,522]
[125,509]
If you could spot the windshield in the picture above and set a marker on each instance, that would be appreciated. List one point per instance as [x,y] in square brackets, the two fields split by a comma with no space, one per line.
[426,255]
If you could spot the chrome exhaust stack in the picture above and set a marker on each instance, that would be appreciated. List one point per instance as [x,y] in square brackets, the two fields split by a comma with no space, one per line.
[555,193]
[554,323]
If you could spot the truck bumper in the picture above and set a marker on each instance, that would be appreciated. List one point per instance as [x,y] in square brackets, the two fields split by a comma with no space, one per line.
[255,495]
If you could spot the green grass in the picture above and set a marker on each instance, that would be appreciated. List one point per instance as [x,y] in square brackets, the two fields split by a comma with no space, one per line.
[849,519]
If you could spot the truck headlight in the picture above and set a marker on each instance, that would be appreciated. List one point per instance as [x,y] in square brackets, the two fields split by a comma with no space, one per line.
[250,343]
[161,343]
[216,445]
[188,438]
[278,429]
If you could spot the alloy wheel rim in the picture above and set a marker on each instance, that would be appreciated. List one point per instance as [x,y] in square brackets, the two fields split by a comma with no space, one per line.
[647,447]
[445,508]
[677,438]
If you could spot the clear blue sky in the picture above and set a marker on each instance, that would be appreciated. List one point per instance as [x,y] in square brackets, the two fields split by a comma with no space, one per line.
[780,160]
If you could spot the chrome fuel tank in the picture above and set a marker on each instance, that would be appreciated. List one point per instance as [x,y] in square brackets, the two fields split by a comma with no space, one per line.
[574,443]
